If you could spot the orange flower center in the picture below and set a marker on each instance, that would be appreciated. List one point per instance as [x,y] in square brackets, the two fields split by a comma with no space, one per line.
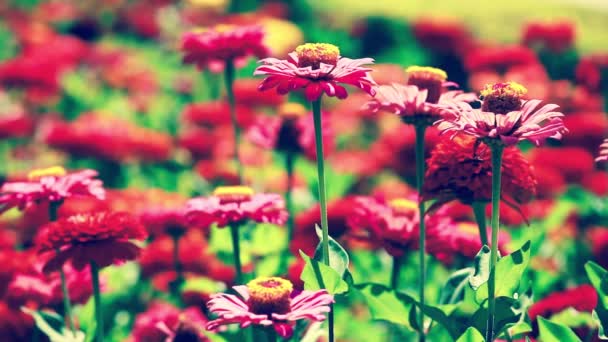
[404,206]
[292,110]
[269,295]
[501,98]
[55,171]
[427,78]
[313,54]
[233,194]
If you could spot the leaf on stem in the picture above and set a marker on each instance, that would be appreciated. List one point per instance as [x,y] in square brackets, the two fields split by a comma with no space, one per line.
[317,276]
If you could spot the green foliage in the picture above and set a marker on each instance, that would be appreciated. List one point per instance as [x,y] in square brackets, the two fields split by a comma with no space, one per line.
[599,279]
[317,276]
[471,335]
[386,304]
[482,268]
[554,332]
[338,257]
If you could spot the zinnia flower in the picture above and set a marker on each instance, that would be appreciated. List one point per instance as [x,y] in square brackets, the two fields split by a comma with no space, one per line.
[270,302]
[459,169]
[236,204]
[582,298]
[394,225]
[554,36]
[214,47]
[50,185]
[163,322]
[463,239]
[591,72]
[603,156]
[317,69]
[292,131]
[104,238]
[505,117]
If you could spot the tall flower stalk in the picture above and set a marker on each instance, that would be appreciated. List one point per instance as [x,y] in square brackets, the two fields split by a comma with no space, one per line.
[479,211]
[420,130]
[236,252]
[97,301]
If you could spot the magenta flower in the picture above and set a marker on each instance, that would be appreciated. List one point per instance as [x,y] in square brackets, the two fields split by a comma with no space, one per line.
[292,131]
[50,185]
[505,117]
[268,301]
[235,204]
[603,152]
[212,48]
[317,69]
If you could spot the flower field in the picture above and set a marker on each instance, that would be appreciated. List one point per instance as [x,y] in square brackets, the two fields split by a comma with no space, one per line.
[215,170]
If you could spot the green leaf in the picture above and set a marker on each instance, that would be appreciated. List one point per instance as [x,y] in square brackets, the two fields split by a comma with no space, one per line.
[599,279]
[453,290]
[386,304]
[573,318]
[316,276]
[504,315]
[509,271]
[262,245]
[65,335]
[338,257]
[482,268]
[554,332]
[519,328]
[471,335]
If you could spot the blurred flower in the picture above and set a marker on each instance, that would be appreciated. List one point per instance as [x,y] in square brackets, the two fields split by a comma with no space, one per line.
[106,137]
[15,325]
[499,58]
[166,216]
[554,36]
[394,225]
[270,302]
[591,72]
[598,237]
[463,239]
[214,113]
[234,205]
[582,298]
[505,116]
[596,182]
[292,131]
[574,168]
[385,73]
[104,238]
[213,47]
[163,322]
[246,93]
[603,155]
[586,129]
[281,35]
[442,36]
[317,69]
[573,98]
[49,185]
[16,125]
[460,169]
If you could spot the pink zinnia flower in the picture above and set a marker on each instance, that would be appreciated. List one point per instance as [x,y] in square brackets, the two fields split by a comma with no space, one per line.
[214,47]
[292,131]
[50,185]
[505,117]
[317,69]
[270,302]
[423,99]
[235,204]
[394,225]
[603,156]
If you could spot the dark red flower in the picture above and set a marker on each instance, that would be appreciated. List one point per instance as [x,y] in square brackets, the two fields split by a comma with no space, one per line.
[582,298]
[442,36]
[596,182]
[163,322]
[574,163]
[586,129]
[598,237]
[555,36]
[214,113]
[499,58]
[15,325]
[247,94]
[103,238]
[592,72]
[16,125]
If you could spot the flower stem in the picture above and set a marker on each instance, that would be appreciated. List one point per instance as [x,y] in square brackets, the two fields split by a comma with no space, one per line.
[67,307]
[271,334]
[395,272]
[479,211]
[236,251]
[229,79]
[97,300]
[316,113]
[496,173]
[420,130]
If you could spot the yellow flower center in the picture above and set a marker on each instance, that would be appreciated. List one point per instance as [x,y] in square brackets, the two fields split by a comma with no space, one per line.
[55,171]
[468,228]
[428,78]
[292,110]
[233,194]
[269,295]
[313,54]
[403,206]
[501,98]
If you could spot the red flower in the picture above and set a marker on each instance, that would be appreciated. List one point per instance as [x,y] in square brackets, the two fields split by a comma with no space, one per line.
[442,36]
[464,240]
[50,185]
[591,72]
[317,69]
[499,58]
[582,298]
[163,322]
[596,182]
[292,131]
[16,125]
[214,113]
[246,93]
[213,47]
[586,129]
[103,238]
[460,169]
[598,237]
[236,204]
[555,36]
[577,164]
[15,325]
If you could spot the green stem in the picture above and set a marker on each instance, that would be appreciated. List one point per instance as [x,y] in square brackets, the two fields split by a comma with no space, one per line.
[479,210]
[236,251]
[271,334]
[420,130]
[496,173]
[67,307]
[316,113]
[97,301]
[229,79]
[395,272]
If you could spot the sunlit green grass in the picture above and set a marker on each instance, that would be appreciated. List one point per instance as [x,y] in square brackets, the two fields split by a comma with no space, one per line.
[491,20]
